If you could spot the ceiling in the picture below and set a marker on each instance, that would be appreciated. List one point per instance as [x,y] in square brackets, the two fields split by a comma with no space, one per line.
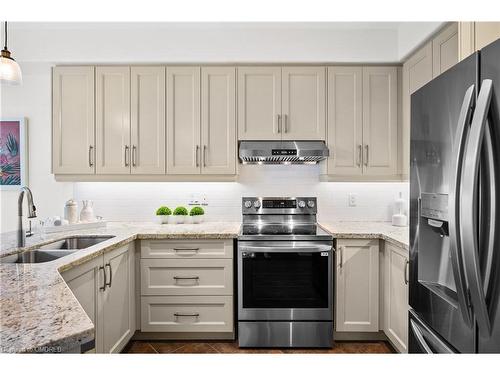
[107,42]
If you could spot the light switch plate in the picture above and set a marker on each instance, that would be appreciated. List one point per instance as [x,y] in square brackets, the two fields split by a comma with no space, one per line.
[353,199]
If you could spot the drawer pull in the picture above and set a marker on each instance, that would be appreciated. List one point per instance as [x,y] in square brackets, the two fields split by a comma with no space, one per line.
[186,278]
[187,249]
[193,315]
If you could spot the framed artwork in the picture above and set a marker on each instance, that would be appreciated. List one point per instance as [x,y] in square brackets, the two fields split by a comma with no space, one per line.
[13,153]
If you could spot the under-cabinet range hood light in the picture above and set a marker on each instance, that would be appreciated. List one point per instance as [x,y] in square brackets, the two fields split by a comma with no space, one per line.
[284,152]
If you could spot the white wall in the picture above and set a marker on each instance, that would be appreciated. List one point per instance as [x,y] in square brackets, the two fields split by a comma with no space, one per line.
[136,201]
[32,100]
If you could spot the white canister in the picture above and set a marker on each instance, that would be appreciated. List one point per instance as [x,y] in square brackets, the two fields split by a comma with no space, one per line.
[71,211]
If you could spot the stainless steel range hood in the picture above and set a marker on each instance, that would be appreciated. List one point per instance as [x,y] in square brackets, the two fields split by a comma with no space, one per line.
[282,152]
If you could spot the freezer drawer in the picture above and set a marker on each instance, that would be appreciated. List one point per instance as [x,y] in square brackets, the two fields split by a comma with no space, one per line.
[423,340]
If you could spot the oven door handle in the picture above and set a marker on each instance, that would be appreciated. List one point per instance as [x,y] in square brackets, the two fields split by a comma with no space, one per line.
[287,249]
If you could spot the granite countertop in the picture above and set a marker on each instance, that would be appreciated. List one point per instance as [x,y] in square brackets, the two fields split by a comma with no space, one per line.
[398,236]
[38,311]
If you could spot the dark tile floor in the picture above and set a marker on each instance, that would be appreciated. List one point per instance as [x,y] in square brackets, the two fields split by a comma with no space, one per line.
[206,347]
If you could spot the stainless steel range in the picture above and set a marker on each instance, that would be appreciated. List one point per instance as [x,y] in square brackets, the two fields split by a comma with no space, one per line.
[285,275]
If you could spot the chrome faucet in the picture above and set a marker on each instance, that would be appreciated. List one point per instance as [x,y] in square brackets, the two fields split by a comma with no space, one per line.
[21,234]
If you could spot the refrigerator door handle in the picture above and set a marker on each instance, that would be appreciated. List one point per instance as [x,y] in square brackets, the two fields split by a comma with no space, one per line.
[459,144]
[469,206]
[424,336]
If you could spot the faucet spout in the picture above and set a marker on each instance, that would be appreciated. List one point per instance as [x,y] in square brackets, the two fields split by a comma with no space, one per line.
[21,235]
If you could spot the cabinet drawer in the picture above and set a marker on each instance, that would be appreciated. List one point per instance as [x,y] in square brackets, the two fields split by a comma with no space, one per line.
[187,313]
[186,249]
[186,276]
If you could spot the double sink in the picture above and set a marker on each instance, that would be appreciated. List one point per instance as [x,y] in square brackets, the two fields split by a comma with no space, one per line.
[58,249]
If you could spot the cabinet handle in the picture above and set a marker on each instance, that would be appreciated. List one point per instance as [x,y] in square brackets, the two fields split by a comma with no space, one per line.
[366,159]
[91,149]
[279,123]
[406,271]
[286,123]
[186,277]
[341,254]
[194,315]
[110,274]
[197,156]
[187,249]
[103,287]
[134,155]
[360,155]
[126,156]
[204,156]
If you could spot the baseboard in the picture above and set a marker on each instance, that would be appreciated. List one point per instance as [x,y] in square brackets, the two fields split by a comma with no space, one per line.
[359,336]
[183,335]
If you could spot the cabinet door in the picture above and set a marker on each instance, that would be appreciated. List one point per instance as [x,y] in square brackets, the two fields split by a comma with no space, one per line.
[445,49]
[183,120]
[259,103]
[85,282]
[417,71]
[304,101]
[485,33]
[357,307]
[396,296]
[380,121]
[218,120]
[73,143]
[113,119]
[345,126]
[119,299]
[148,119]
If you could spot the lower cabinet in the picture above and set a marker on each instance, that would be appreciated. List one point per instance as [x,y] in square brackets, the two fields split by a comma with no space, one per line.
[105,288]
[372,290]
[357,275]
[187,314]
[187,286]
[395,320]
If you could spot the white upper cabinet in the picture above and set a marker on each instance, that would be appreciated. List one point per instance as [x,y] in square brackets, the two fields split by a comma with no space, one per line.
[357,297]
[148,119]
[259,103]
[380,121]
[183,120]
[218,120]
[113,154]
[304,101]
[345,123]
[475,35]
[445,49]
[73,144]
[485,33]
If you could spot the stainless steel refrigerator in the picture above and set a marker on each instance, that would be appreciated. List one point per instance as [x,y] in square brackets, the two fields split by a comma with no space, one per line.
[455,209]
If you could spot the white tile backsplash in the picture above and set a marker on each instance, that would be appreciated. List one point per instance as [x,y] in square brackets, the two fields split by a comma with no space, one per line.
[125,201]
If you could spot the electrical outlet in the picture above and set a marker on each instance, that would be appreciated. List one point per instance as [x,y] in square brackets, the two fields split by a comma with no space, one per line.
[353,200]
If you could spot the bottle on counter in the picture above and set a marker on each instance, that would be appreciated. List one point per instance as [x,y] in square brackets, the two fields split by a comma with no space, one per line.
[399,219]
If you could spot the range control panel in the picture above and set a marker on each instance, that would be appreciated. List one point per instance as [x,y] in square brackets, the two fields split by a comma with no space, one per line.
[262,205]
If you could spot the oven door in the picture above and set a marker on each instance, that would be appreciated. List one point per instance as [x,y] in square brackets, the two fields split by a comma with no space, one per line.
[285,280]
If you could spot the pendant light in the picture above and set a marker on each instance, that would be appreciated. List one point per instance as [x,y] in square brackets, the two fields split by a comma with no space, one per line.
[10,72]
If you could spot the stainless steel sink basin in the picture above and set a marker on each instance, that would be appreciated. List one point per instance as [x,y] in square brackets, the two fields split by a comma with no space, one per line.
[55,250]
[75,243]
[42,256]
